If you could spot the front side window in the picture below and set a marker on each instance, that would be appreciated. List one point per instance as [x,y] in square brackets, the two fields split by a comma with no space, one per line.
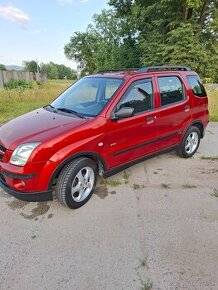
[171,90]
[139,96]
[196,86]
[88,96]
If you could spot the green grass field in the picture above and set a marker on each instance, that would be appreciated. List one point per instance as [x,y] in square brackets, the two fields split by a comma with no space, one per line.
[213,104]
[19,101]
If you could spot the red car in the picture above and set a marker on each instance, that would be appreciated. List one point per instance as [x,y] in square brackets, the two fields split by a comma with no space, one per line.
[100,125]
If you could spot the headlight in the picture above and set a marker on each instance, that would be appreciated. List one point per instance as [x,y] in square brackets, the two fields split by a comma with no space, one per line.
[22,153]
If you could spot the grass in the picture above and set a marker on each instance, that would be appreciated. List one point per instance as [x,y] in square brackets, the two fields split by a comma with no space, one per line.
[165,185]
[188,186]
[209,158]
[112,183]
[213,104]
[215,192]
[146,285]
[126,176]
[19,101]
[143,263]
[136,186]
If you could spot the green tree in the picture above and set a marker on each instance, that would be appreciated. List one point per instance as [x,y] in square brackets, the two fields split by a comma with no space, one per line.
[139,32]
[65,72]
[58,71]
[51,70]
[31,66]
[174,31]
[81,49]
[102,45]
[2,67]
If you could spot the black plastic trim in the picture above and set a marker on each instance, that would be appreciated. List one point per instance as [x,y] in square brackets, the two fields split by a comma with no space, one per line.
[2,148]
[147,143]
[18,176]
[131,163]
[163,68]
[195,122]
[27,196]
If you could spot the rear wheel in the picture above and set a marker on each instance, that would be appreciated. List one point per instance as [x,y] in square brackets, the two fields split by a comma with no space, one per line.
[190,142]
[76,182]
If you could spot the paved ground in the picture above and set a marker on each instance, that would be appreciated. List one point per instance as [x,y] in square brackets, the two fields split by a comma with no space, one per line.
[159,227]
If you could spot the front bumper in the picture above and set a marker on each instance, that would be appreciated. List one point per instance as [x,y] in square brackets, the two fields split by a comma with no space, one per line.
[27,196]
[29,183]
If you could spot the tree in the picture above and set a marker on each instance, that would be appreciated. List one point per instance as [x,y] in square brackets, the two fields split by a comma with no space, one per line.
[81,49]
[31,66]
[65,72]
[174,31]
[138,32]
[102,45]
[2,67]
[50,69]
[58,71]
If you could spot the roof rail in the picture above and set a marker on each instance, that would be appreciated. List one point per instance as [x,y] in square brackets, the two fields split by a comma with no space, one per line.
[154,68]
[116,70]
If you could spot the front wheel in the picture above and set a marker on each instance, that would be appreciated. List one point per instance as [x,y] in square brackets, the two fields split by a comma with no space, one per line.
[76,182]
[190,142]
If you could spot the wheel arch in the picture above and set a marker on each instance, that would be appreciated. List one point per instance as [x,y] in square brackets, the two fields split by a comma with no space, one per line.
[199,125]
[100,162]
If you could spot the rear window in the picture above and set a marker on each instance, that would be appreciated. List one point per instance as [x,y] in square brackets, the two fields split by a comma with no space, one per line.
[196,86]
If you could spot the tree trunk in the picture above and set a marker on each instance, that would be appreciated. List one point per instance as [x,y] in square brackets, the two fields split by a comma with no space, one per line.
[184,12]
[189,14]
[203,11]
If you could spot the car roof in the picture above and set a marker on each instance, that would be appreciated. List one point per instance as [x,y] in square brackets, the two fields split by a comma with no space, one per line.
[130,72]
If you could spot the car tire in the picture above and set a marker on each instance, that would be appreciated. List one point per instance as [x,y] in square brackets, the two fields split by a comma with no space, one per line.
[190,143]
[76,182]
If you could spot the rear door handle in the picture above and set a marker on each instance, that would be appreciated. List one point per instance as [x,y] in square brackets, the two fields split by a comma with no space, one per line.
[187,108]
[151,119]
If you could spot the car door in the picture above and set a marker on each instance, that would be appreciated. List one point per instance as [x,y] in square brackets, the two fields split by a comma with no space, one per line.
[174,112]
[133,137]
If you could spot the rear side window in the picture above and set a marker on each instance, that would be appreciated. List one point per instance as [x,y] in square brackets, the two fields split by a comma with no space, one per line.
[171,90]
[196,86]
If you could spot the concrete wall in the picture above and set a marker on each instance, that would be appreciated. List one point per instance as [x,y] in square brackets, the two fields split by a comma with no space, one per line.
[6,76]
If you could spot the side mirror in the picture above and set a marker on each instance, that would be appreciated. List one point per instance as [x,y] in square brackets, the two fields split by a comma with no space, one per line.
[122,113]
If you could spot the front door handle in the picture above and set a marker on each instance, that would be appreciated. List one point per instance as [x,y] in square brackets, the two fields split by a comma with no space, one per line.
[151,119]
[187,108]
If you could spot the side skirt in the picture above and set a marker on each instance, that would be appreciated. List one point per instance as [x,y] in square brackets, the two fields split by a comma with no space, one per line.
[115,170]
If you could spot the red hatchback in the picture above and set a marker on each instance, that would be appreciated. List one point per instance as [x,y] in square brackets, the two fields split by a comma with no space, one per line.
[100,125]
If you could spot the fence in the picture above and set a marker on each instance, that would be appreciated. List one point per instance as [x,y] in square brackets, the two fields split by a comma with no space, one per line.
[6,76]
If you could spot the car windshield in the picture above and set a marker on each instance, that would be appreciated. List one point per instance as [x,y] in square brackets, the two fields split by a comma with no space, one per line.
[88,96]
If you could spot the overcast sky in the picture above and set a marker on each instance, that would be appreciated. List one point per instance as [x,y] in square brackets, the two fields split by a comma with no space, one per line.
[37,29]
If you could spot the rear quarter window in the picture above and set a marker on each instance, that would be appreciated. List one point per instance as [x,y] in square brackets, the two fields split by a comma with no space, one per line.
[196,86]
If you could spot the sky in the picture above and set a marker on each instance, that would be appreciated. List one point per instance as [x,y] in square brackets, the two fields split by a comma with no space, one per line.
[38,30]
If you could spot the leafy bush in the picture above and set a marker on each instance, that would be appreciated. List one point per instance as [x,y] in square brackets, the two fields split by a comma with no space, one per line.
[14,84]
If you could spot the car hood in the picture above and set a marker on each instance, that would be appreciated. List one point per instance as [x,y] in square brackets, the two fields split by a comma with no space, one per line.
[37,126]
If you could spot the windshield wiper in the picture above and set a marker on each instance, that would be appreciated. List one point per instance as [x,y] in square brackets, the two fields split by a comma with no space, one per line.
[71,112]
